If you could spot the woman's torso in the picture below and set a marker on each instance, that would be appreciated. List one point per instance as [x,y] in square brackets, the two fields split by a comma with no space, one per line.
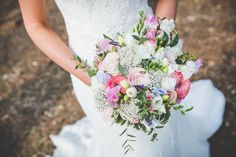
[87,20]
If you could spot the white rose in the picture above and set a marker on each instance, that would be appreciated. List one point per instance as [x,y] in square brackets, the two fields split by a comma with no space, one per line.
[168,83]
[172,68]
[167,25]
[131,92]
[157,103]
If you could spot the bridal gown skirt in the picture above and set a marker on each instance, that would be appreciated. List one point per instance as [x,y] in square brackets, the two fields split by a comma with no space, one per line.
[183,136]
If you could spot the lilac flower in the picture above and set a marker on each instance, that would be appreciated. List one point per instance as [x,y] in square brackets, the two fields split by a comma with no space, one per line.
[151,34]
[102,77]
[159,91]
[112,95]
[103,45]
[198,64]
[152,20]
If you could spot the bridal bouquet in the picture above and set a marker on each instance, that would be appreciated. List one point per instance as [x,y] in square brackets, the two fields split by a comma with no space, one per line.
[139,76]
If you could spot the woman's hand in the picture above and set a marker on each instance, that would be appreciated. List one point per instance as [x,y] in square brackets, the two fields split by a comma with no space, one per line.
[166,8]
[36,24]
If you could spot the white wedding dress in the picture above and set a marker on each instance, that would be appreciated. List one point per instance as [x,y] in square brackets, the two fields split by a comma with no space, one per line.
[183,136]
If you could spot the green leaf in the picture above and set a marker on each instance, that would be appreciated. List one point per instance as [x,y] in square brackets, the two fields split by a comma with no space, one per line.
[121,69]
[91,73]
[159,127]
[107,37]
[165,39]
[136,37]
[142,40]
[123,132]
[174,41]
[130,135]
[143,127]
[189,109]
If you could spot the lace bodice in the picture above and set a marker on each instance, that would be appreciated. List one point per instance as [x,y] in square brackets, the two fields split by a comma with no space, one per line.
[87,20]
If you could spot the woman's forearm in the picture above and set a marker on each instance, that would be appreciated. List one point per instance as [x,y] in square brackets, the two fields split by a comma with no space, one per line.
[51,44]
[166,8]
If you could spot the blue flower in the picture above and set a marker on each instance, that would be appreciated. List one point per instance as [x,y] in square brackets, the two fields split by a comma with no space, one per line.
[102,77]
[159,91]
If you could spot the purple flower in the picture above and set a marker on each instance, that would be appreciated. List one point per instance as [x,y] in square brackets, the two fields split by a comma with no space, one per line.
[103,45]
[112,95]
[198,64]
[159,91]
[151,34]
[152,20]
[102,77]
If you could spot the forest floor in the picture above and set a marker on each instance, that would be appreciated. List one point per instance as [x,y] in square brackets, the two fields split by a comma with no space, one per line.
[36,96]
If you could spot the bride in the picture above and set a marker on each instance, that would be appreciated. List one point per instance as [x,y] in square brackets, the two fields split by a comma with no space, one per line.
[86,21]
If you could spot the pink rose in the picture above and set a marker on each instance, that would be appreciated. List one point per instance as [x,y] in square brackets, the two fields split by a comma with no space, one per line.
[115,80]
[178,76]
[183,89]
[110,64]
[138,76]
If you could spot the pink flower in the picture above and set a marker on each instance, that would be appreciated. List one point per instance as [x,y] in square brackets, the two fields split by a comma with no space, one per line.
[172,96]
[138,76]
[151,34]
[183,89]
[178,76]
[112,95]
[103,45]
[198,64]
[152,21]
[151,109]
[135,121]
[110,64]
[115,80]
[149,95]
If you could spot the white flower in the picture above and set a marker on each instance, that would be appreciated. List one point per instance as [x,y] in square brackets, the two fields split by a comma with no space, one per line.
[188,69]
[177,49]
[167,25]
[159,55]
[172,68]
[95,84]
[142,52]
[131,92]
[165,62]
[129,40]
[157,104]
[110,63]
[168,83]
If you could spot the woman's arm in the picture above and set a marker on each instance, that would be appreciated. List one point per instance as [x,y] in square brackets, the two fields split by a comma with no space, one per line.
[166,8]
[36,24]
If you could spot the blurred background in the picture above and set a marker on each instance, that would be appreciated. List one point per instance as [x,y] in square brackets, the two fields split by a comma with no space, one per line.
[36,97]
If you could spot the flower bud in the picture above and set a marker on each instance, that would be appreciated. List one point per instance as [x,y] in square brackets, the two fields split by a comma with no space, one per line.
[131,92]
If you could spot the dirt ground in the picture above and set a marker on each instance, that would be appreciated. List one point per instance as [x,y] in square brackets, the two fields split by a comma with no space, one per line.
[36,97]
